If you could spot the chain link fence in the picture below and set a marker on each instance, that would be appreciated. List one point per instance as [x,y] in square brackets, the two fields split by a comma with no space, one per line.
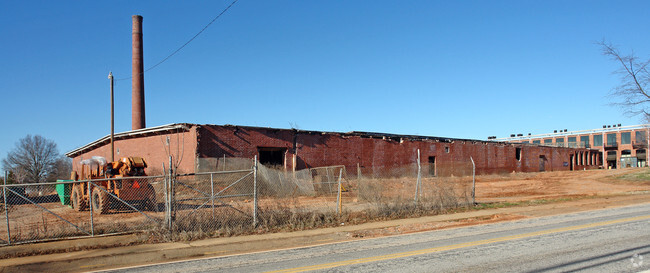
[213,203]
[64,209]
[242,197]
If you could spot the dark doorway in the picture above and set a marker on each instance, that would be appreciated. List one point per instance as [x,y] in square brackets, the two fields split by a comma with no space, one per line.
[599,159]
[542,163]
[641,157]
[432,166]
[571,162]
[272,156]
[611,159]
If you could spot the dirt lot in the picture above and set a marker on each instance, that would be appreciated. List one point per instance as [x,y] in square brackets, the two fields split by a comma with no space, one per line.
[553,185]
[29,221]
[584,190]
[502,198]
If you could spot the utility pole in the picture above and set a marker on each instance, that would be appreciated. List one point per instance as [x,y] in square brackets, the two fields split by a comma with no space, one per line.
[110,77]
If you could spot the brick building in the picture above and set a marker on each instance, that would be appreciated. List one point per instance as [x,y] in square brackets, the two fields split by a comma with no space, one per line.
[618,146]
[198,148]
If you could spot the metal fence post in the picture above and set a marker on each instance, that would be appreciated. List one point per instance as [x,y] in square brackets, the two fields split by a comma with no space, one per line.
[418,187]
[329,179]
[358,172]
[212,194]
[255,192]
[166,195]
[339,201]
[90,208]
[172,201]
[4,194]
[473,181]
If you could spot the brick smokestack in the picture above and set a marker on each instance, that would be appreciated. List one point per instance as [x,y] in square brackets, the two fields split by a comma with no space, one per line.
[137,78]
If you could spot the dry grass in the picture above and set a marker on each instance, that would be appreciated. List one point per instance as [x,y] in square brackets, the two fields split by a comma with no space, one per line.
[375,202]
[641,176]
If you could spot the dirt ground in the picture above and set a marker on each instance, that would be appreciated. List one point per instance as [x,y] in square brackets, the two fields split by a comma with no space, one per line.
[515,187]
[558,192]
[585,189]
[554,185]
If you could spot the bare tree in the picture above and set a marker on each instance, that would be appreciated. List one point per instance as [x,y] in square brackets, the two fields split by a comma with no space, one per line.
[33,160]
[633,88]
[62,169]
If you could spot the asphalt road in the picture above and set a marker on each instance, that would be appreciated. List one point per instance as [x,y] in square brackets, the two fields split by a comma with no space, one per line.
[612,240]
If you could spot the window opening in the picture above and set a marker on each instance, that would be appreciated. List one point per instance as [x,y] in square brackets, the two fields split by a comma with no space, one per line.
[626,138]
[518,153]
[611,140]
[584,141]
[640,137]
[432,165]
[598,140]
[272,156]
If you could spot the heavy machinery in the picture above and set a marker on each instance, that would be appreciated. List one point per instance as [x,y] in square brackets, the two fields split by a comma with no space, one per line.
[111,177]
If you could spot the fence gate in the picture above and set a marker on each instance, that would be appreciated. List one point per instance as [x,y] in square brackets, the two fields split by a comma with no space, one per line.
[32,213]
[137,203]
[212,201]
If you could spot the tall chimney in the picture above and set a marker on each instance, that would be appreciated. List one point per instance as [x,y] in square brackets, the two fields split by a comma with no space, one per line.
[137,78]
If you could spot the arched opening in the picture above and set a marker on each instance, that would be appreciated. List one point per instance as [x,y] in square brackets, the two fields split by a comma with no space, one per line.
[627,161]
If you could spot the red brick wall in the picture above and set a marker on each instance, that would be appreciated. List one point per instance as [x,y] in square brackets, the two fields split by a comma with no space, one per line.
[154,149]
[201,147]
[314,149]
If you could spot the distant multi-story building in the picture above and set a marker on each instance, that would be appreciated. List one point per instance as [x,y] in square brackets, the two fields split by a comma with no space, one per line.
[618,146]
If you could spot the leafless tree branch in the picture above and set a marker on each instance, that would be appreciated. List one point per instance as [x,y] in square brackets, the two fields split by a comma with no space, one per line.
[36,159]
[632,92]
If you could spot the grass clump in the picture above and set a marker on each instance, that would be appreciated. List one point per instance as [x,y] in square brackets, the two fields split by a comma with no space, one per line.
[642,176]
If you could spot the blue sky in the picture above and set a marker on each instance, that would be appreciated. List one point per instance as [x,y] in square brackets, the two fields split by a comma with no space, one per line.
[464,69]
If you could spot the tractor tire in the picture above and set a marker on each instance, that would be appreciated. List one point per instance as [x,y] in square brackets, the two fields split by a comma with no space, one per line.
[76,197]
[100,200]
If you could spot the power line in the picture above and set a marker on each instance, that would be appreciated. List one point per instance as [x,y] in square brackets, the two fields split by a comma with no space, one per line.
[189,41]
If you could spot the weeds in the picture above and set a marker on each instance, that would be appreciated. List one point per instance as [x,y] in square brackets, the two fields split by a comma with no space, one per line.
[641,176]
